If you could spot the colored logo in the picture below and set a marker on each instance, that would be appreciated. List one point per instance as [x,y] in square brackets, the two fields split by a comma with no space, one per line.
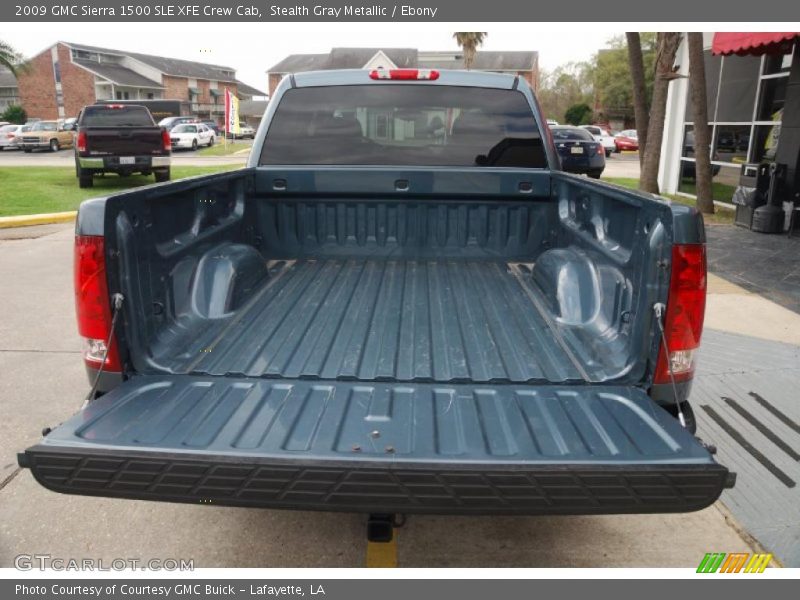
[736,562]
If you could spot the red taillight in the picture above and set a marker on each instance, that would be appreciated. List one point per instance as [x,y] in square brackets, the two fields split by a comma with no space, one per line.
[115,106]
[404,74]
[601,149]
[166,142]
[686,307]
[92,303]
[81,143]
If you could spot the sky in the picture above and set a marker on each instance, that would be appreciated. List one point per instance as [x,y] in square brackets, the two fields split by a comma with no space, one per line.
[251,48]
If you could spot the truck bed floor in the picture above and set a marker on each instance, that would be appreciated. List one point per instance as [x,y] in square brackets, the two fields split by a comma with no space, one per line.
[386,320]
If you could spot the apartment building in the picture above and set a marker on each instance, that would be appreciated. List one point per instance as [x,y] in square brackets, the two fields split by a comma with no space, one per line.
[67,76]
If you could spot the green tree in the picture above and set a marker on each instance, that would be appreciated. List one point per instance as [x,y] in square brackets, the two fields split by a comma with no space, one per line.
[578,114]
[11,59]
[563,87]
[611,75]
[14,114]
[469,42]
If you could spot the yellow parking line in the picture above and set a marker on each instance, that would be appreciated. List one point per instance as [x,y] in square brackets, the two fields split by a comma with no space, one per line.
[40,219]
[382,555]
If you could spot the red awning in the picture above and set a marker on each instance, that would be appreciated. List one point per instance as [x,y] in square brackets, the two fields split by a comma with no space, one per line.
[754,44]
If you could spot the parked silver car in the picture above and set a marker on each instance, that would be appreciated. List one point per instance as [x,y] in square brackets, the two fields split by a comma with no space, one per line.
[8,137]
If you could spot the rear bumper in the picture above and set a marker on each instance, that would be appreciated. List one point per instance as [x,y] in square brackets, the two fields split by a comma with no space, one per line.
[34,145]
[369,486]
[109,163]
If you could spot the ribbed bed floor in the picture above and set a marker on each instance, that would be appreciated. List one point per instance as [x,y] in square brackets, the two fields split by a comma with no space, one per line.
[392,320]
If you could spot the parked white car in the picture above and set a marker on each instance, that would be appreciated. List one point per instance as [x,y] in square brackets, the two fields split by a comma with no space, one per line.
[191,135]
[8,137]
[245,131]
[603,136]
[552,122]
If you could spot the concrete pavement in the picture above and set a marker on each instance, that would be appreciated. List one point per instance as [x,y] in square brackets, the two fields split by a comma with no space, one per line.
[624,164]
[42,382]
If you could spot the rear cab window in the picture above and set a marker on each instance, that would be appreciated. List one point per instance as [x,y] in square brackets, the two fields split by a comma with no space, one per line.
[116,116]
[571,133]
[406,125]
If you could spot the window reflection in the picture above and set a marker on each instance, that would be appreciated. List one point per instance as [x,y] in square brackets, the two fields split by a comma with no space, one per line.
[731,143]
[723,180]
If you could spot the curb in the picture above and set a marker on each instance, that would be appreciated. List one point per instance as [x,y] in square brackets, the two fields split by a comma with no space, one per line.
[41,219]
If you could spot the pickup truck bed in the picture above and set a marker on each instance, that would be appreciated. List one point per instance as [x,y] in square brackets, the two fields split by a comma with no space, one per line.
[402,305]
[320,349]
[388,320]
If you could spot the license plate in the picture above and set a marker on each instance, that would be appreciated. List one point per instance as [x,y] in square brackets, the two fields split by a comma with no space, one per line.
[127,160]
[576,150]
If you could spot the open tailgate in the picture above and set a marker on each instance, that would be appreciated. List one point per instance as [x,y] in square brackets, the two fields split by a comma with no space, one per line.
[380,447]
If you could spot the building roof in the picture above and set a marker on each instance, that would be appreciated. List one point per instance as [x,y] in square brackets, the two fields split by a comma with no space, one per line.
[296,63]
[252,108]
[343,58]
[484,60]
[7,78]
[248,90]
[117,74]
[170,66]
[356,58]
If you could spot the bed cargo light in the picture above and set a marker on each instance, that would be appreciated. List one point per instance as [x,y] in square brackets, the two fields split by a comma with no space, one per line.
[405,74]
[92,304]
[686,305]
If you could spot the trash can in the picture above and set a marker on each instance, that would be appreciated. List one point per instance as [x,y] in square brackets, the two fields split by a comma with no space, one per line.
[751,193]
[770,217]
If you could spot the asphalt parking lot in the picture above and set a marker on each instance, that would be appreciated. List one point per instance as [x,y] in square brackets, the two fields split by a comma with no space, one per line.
[66,158]
[42,382]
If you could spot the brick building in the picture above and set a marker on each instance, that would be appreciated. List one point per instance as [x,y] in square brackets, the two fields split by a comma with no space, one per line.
[66,76]
[524,64]
[9,92]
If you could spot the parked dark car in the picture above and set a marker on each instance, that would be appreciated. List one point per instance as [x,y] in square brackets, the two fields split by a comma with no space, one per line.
[579,151]
[213,125]
[122,139]
[169,123]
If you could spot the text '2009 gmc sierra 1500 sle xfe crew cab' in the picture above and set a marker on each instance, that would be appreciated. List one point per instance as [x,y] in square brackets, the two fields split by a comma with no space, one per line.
[401,305]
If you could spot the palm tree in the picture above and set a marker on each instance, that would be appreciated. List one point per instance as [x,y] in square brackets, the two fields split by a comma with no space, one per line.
[10,58]
[702,132]
[469,42]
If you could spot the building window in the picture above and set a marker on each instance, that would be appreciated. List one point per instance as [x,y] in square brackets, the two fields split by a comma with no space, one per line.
[745,108]
[123,95]
[150,95]
[57,71]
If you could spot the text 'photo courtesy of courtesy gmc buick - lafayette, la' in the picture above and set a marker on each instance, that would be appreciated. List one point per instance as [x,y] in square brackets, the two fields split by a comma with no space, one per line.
[402,305]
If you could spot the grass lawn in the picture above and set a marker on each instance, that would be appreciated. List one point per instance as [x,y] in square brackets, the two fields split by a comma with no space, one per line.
[721,215]
[32,190]
[221,149]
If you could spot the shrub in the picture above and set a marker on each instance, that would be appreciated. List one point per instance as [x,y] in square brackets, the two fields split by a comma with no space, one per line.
[578,114]
[14,114]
